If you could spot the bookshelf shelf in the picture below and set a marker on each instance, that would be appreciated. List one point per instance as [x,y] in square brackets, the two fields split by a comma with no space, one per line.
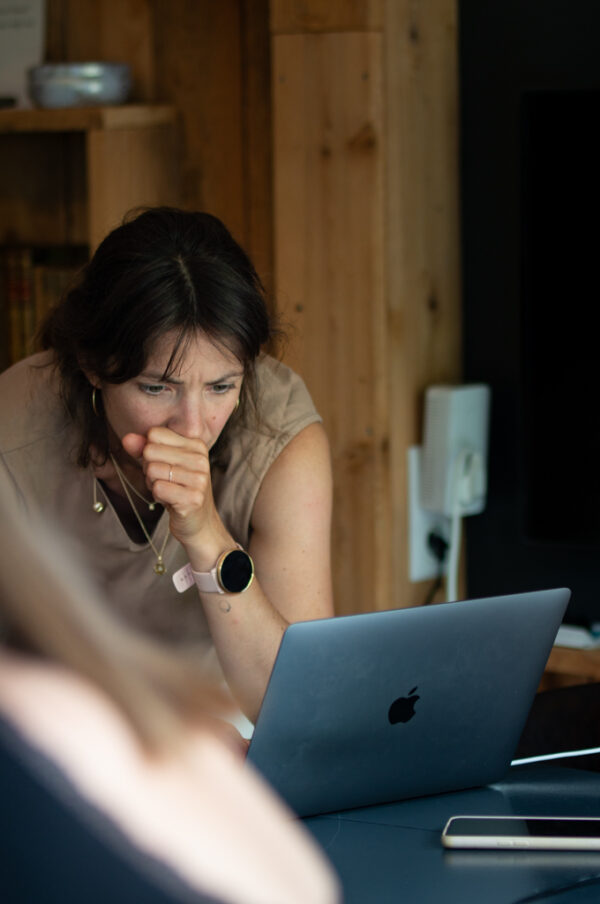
[67,177]
[82,119]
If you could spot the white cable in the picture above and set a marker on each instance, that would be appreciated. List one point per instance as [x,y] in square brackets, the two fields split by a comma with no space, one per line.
[453,557]
[460,491]
[555,756]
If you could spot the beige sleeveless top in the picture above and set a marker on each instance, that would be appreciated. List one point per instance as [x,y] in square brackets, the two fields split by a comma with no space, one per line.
[37,455]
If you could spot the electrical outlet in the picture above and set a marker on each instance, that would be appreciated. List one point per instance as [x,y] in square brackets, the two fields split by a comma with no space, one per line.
[423,565]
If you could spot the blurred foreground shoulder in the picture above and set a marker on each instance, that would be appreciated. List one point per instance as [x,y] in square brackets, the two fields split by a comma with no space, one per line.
[200,810]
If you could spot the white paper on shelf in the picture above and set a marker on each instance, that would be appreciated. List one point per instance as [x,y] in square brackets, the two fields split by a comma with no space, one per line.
[22,43]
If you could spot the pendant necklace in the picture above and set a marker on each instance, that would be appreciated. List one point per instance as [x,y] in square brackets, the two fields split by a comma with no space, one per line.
[99,506]
[159,565]
[151,503]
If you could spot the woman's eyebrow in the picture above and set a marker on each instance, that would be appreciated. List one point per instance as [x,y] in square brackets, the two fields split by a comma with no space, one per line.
[159,377]
[229,376]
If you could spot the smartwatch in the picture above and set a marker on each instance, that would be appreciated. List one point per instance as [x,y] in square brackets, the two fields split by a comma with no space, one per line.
[233,573]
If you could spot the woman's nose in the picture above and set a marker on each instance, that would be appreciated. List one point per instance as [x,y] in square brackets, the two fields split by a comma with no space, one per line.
[188,420]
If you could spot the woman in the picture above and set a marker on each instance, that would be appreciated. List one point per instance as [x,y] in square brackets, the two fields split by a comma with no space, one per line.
[116,782]
[154,429]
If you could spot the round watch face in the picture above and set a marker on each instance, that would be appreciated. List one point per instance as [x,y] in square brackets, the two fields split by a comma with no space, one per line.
[235,571]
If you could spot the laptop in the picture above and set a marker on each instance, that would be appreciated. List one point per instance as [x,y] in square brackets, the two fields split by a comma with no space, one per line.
[378,707]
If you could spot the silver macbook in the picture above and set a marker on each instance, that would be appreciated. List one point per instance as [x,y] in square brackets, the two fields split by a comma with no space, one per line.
[372,708]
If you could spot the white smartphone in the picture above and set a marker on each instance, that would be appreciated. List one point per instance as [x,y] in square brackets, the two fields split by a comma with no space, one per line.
[558,833]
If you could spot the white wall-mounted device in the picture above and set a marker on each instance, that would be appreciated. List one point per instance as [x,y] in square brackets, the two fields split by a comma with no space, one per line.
[455,441]
[447,476]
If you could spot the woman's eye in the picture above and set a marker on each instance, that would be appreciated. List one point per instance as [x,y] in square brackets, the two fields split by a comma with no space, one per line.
[152,388]
[221,388]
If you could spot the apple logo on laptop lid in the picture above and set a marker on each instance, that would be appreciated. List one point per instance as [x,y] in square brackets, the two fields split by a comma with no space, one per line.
[403,708]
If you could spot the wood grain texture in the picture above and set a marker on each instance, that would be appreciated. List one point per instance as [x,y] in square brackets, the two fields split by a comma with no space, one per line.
[367,256]
[127,168]
[422,233]
[329,268]
[301,16]
[257,152]
[198,60]
[80,119]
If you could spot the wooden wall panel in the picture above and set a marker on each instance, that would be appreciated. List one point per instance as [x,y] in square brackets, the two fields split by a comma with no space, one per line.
[144,176]
[257,139]
[198,65]
[289,16]
[422,233]
[212,62]
[328,248]
[367,253]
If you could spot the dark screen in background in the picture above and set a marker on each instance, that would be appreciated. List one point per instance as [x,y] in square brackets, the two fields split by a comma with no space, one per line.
[560,349]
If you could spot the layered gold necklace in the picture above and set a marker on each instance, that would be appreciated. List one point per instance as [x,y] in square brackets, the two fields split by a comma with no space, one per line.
[159,565]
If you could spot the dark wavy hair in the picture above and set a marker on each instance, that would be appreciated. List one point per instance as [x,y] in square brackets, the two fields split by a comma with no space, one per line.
[162,270]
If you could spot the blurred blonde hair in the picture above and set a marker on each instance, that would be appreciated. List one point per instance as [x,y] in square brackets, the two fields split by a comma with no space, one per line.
[50,609]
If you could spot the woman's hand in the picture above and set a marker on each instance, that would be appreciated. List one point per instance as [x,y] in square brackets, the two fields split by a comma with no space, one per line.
[177,471]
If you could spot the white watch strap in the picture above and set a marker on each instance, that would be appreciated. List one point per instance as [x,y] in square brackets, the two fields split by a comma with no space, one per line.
[205,581]
[184,578]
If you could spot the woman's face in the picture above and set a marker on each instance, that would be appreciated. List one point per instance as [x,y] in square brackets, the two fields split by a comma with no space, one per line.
[195,401]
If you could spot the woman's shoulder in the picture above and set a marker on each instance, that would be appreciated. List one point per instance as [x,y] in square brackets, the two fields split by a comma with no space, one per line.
[271,371]
[25,368]
[283,397]
[30,406]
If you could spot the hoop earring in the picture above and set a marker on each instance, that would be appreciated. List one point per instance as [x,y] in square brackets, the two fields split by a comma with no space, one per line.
[94,409]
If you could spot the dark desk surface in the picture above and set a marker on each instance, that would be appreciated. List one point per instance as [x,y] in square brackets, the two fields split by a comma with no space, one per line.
[393,853]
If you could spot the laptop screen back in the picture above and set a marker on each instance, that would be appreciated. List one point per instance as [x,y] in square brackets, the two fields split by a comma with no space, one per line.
[372,708]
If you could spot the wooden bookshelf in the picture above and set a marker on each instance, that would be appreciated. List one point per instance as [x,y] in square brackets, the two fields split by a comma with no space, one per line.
[67,177]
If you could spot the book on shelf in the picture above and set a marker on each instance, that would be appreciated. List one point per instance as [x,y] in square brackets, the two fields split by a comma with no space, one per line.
[32,282]
[17,299]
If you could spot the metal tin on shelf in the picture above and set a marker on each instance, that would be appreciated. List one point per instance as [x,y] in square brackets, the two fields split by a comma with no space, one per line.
[54,85]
